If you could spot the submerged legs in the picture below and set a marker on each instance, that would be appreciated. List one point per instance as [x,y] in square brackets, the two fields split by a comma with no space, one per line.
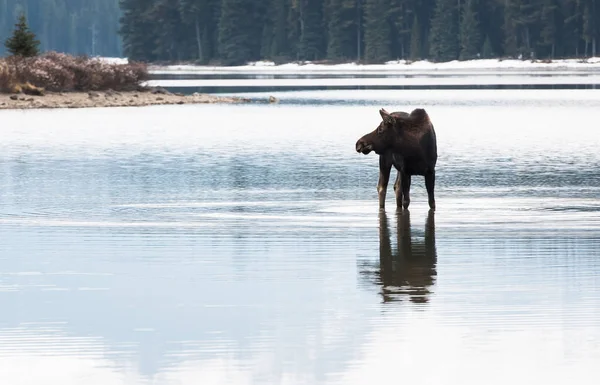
[429,185]
[405,184]
[384,177]
[398,190]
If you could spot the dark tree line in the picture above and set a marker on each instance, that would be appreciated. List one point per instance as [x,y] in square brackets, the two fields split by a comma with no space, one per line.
[237,31]
[87,27]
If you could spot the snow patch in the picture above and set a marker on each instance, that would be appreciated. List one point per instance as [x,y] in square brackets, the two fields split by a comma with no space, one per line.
[112,60]
[393,66]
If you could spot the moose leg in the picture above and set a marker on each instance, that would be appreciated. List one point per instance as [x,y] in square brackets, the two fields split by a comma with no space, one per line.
[398,191]
[405,184]
[429,185]
[384,177]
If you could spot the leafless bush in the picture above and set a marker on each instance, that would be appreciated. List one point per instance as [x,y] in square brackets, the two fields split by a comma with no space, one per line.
[61,72]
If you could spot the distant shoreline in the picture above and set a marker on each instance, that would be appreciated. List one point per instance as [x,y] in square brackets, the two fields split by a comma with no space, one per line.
[148,96]
[107,99]
[400,66]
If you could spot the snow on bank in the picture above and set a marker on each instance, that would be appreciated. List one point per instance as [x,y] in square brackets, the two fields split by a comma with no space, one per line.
[392,66]
[398,81]
[399,66]
[113,60]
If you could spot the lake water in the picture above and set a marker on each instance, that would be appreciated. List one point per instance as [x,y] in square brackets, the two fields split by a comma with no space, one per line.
[278,80]
[218,244]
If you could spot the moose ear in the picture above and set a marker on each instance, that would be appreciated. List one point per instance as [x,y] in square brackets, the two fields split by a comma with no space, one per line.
[387,118]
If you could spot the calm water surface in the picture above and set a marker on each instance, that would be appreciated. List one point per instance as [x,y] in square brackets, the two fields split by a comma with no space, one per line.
[243,244]
[274,80]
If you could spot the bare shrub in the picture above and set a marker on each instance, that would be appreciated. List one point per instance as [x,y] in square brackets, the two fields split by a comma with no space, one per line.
[62,73]
[7,76]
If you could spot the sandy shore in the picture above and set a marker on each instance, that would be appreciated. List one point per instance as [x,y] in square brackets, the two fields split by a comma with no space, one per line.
[108,99]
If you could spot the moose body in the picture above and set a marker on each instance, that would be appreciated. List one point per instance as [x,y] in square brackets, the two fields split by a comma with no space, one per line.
[408,143]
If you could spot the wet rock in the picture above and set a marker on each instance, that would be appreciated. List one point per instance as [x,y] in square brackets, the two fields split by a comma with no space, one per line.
[181,102]
[159,98]
[34,91]
[29,89]
[112,93]
[14,97]
[160,90]
[93,94]
[273,99]
[30,99]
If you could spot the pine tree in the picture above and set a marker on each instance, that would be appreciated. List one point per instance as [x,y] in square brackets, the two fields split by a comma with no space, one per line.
[190,16]
[307,35]
[240,30]
[424,10]
[312,35]
[572,26]
[170,38]
[342,28]
[511,12]
[444,42]
[416,47]
[280,45]
[293,29]
[470,40]
[377,31]
[487,51]
[548,33]
[137,30]
[400,14]
[200,19]
[268,33]
[491,23]
[589,29]
[529,15]
[23,42]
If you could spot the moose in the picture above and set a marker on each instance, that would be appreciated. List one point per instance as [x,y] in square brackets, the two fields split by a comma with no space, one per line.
[407,142]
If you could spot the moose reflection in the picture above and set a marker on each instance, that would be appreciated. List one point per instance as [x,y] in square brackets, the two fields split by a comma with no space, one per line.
[410,270]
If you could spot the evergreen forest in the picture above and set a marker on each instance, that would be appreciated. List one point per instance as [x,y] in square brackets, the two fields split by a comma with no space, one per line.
[232,32]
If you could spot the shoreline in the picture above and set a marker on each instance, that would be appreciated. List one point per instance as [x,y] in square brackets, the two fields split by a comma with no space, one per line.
[391,67]
[149,93]
[97,99]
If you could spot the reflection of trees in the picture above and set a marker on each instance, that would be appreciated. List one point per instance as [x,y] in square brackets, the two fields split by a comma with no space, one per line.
[410,270]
